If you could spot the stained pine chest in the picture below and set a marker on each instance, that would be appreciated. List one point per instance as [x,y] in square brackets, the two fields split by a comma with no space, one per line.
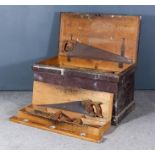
[115,34]
[95,65]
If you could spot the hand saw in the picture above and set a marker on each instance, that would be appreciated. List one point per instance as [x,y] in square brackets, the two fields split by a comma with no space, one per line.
[81,50]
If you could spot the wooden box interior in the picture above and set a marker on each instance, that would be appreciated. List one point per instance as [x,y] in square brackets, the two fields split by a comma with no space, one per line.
[101,31]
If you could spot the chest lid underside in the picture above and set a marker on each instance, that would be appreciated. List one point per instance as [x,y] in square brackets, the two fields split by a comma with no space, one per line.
[97,40]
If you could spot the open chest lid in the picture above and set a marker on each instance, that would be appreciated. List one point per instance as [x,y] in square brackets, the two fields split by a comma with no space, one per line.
[115,35]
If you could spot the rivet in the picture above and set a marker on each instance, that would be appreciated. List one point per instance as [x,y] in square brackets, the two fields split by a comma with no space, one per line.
[40,78]
[95,84]
[52,127]
[62,72]
[25,120]
[83,134]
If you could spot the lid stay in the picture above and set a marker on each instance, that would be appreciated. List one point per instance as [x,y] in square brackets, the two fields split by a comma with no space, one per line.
[120,65]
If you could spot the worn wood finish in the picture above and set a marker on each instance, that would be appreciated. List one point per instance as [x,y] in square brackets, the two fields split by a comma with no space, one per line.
[80,72]
[76,81]
[89,133]
[124,97]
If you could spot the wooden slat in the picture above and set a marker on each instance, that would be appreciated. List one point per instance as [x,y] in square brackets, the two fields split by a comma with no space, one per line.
[77,63]
[105,66]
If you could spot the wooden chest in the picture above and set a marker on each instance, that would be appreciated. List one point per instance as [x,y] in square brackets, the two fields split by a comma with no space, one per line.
[95,65]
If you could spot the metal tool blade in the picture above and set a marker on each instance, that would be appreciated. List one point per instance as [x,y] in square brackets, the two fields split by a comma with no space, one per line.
[76,106]
[89,52]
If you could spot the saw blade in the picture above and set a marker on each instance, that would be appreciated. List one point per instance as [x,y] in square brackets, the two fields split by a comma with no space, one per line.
[75,106]
[89,52]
